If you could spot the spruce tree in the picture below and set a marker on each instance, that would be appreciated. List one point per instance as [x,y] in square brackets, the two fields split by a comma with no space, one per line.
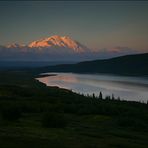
[100,95]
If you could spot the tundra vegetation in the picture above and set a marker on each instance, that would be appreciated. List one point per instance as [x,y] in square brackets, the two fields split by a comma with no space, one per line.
[34,115]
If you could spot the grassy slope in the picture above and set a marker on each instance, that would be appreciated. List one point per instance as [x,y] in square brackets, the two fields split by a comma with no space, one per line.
[124,65]
[92,123]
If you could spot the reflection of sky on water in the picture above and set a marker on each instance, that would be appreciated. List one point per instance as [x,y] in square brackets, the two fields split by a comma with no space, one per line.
[129,88]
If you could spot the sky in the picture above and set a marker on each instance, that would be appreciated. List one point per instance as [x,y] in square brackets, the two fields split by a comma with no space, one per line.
[95,24]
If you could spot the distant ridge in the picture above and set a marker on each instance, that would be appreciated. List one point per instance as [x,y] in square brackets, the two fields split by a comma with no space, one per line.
[124,65]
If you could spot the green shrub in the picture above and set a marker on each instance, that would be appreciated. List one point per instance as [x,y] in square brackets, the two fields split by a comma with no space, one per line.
[132,122]
[11,113]
[54,120]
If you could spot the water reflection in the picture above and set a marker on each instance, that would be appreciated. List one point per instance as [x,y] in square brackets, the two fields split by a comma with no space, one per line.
[129,88]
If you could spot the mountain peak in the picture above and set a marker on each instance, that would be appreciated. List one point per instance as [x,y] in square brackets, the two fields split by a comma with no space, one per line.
[58,42]
[59,38]
[15,45]
[55,37]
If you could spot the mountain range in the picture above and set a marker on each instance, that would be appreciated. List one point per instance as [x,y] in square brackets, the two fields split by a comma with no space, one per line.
[57,48]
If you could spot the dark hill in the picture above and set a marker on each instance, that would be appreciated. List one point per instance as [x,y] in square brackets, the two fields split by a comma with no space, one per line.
[125,65]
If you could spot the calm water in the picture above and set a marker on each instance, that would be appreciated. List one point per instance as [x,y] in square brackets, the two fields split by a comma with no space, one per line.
[127,88]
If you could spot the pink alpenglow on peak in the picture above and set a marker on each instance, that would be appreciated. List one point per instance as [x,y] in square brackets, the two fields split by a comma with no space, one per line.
[15,45]
[59,41]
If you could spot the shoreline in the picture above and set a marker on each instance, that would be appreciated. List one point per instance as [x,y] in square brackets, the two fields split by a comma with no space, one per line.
[45,75]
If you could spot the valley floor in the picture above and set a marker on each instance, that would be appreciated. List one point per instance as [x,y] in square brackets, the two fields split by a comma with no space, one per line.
[33,115]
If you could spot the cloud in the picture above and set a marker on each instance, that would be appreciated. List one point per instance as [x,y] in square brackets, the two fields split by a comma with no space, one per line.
[26,53]
[117,49]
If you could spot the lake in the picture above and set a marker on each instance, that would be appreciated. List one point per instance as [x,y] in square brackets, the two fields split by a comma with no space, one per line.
[125,87]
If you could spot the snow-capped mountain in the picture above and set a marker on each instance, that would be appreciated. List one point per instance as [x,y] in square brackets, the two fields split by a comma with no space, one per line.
[51,48]
[59,42]
[57,48]
[15,45]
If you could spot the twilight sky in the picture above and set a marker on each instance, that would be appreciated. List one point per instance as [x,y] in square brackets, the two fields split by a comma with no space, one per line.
[94,24]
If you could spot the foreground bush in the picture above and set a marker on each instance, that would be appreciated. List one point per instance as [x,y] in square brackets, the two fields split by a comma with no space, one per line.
[135,123]
[11,113]
[54,120]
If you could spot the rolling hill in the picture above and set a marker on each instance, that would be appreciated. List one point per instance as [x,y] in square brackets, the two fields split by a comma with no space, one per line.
[124,65]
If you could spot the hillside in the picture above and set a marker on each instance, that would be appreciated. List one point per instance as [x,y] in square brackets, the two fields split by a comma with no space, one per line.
[124,65]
